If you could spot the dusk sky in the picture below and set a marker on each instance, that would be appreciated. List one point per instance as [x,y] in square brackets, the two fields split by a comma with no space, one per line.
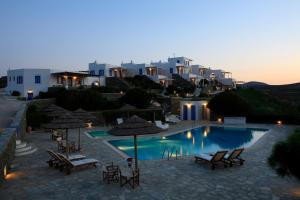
[256,40]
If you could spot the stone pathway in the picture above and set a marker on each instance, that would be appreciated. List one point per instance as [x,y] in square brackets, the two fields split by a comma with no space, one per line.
[160,179]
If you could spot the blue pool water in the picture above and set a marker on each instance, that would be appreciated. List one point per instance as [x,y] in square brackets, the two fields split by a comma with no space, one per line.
[198,140]
[96,134]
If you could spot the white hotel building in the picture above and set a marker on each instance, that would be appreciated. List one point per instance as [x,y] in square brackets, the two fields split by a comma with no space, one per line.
[30,81]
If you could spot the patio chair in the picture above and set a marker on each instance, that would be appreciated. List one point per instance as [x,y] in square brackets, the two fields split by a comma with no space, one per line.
[132,178]
[120,120]
[56,160]
[68,164]
[161,125]
[234,157]
[213,160]
[110,173]
[62,145]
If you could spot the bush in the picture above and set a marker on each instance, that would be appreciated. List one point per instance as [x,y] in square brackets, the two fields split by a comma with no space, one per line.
[52,92]
[285,156]
[15,93]
[137,97]
[228,103]
[35,118]
[89,99]
[142,81]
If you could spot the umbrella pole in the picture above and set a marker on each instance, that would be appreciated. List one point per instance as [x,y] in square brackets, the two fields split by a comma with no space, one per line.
[79,140]
[67,143]
[135,153]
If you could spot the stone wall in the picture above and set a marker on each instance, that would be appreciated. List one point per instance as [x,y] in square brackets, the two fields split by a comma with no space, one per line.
[7,150]
[19,122]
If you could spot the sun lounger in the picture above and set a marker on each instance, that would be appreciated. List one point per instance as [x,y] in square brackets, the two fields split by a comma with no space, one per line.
[70,164]
[172,119]
[56,160]
[213,160]
[120,120]
[160,125]
[234,157]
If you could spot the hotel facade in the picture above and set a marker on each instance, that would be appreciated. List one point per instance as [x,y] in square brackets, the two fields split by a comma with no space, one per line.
[30,81]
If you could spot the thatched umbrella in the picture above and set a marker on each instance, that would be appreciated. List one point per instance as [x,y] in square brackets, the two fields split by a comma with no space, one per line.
[127,108]
[52,108]
[67,122]
[54,111]
[132,127]
[85,117]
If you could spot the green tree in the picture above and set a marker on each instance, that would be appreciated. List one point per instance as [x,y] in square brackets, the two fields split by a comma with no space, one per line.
[285,156]
[228,103]
[137,97]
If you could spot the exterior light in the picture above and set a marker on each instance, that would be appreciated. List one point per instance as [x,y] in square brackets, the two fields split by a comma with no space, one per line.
[5,171]
[96,83]
[121,92]
[219,120]
[65,77]
[163,137]
[205,133]
[29,91]
[189,135]
[279,122]
[74,77]
[189,105]
[204,104]
[89,125]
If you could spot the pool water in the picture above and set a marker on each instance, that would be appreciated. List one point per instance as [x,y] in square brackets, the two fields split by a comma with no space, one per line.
[198,140]
[98,133]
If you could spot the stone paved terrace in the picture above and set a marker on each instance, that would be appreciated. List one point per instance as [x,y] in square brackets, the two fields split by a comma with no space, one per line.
[160,179]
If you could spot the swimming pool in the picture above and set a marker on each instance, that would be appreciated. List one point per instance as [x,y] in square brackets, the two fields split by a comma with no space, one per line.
[96,134]
[198,140]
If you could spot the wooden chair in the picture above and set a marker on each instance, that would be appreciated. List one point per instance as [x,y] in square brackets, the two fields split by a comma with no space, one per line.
[234,157]
[62,145]
[133,178]
[213,160]
[110,173]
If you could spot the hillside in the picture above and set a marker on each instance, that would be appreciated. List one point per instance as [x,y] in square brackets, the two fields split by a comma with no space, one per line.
[289,93]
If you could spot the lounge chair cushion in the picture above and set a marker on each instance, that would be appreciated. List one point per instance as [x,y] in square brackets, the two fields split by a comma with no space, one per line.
[204,156]
[84,162]
[76,157]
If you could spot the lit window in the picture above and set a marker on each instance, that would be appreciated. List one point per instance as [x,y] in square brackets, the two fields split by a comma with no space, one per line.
[37,79]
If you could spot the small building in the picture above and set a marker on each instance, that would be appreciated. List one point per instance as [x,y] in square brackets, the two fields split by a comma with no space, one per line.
[106,70]
[194,110]
[29,82]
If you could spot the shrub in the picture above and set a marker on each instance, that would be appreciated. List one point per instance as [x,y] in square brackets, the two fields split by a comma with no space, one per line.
[35,118]
[285,156]
[52,92]
[15,93]
[228,103]
[144,82]
[89,99]
[137,97]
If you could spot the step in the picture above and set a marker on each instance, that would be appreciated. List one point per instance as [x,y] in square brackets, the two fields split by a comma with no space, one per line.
[19,146]
[26,152]
[18,142]
[23,149]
